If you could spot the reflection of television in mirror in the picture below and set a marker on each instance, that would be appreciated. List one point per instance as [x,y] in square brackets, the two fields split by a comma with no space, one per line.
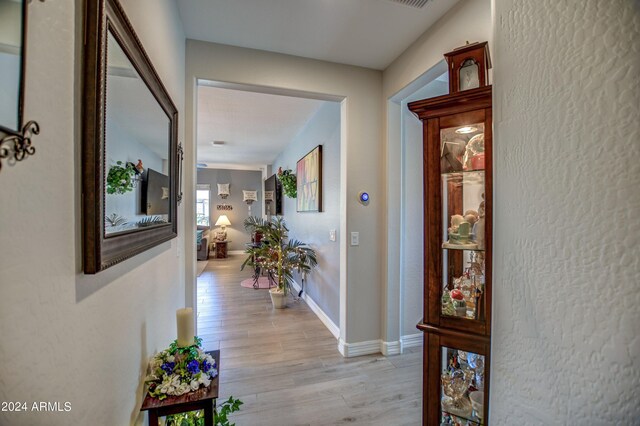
[274,207]
[155,193]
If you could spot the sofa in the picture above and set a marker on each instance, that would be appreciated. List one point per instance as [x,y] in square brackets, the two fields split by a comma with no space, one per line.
[203,238]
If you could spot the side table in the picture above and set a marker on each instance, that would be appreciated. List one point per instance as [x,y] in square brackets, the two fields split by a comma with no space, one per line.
[221,249]
[202,399]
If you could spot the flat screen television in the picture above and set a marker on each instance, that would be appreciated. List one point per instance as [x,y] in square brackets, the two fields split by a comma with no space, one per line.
[155,193]
[273,207]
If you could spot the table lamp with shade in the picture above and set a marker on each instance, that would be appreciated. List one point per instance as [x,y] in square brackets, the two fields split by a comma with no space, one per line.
[222,221]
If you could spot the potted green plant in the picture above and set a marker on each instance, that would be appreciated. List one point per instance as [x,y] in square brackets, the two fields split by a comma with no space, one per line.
[278,255]
[288,180]
[121,179]
[196,418]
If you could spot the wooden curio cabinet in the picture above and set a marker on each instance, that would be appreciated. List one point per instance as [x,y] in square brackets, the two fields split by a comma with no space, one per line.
[457,255]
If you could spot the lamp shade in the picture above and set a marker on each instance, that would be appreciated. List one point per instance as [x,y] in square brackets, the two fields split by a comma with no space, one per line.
[223,220]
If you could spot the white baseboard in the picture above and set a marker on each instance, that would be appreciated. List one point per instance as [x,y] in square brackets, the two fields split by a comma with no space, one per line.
[342,348]
[349,350]
[411,340]
[331,326]
[379,346]
[236,252]
[390,348]
[369,347]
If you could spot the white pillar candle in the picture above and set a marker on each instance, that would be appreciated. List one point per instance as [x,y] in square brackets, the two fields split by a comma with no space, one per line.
[184,318]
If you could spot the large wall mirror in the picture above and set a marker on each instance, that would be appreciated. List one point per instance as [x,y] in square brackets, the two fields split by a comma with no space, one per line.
[130,152]
[15,136]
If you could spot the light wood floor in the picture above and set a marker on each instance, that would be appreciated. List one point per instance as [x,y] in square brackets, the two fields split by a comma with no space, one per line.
[285,364]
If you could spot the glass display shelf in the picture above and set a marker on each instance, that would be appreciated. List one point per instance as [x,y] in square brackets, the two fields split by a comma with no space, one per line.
[463,210]
[462,380]
[454,419]
[463,186]
[462,148]
[458,190]
[462,174]
[463,230]
[463,285]
[469,247]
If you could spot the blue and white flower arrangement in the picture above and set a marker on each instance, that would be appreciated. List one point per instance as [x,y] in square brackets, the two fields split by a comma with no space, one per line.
[178,370]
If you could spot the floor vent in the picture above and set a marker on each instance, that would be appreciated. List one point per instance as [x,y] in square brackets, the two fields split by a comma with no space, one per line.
[418,4]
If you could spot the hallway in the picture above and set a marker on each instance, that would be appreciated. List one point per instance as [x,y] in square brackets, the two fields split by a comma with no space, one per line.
[285,365]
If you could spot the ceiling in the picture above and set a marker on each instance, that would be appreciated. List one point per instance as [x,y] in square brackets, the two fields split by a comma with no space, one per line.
[254,127]
[367,33]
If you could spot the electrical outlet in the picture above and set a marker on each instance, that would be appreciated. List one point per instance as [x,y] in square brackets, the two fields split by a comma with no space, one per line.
[355,238]
[332,235]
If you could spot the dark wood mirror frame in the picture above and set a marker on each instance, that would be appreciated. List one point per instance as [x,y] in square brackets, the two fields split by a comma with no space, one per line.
[100,252]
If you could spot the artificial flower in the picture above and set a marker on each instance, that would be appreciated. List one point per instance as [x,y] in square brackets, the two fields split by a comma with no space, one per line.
[180,370]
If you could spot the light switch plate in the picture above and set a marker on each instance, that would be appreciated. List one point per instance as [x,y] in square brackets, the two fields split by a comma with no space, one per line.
[332,235]
[355,238]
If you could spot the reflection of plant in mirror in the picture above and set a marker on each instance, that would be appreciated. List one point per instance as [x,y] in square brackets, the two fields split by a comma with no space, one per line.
[151,220]
[288,180]
[115,220]
[120,180]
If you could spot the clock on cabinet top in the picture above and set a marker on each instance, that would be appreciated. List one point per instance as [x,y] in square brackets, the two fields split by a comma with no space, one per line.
[468,67]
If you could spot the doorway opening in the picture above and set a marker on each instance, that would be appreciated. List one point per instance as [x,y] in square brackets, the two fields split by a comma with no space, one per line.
[244,135]
[406,268]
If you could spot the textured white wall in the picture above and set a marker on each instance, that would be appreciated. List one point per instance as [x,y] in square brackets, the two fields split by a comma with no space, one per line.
[66,336]
[323,285]
[565,347]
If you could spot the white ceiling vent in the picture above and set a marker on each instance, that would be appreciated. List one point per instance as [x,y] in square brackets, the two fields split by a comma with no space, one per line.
[418,4]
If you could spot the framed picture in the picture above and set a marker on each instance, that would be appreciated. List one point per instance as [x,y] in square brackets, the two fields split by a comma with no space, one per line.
[309,181]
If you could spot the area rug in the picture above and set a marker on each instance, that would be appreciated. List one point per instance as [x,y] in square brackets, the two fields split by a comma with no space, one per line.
[200,266]
[263,283]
